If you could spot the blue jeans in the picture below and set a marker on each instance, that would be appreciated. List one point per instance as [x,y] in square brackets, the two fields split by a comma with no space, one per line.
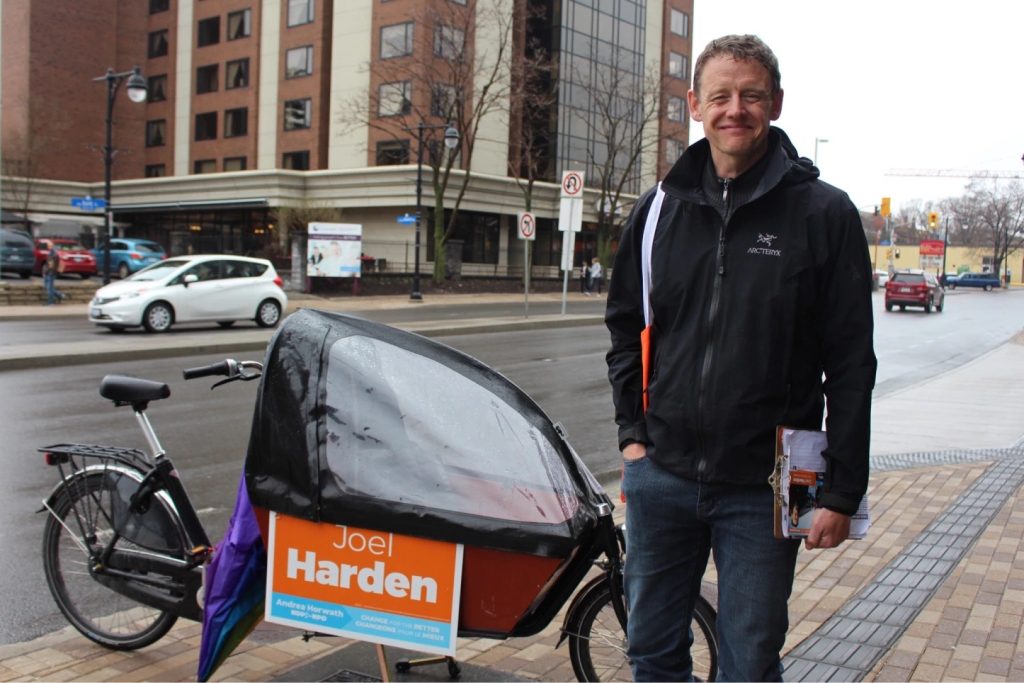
[50,282]
[672,525]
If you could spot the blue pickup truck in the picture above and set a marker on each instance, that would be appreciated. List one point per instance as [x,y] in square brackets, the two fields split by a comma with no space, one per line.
[986,281]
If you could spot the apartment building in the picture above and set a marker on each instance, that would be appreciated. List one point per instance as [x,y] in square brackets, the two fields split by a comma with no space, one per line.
[262,111]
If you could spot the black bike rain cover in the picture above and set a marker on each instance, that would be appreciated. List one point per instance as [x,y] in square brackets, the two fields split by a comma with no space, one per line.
[364,424]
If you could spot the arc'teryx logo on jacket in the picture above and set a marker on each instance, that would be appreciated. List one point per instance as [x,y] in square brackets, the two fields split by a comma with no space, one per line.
[765,250]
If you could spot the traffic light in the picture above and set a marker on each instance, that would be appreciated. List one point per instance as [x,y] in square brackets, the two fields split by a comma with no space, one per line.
[885,207]
[933,220]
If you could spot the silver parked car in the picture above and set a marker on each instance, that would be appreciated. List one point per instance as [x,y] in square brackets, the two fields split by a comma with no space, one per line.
[186,289]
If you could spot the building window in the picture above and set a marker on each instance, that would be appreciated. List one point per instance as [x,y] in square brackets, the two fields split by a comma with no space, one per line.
[677,65]
[208,32]
[444,101]
[396,40]
[206,126]
[448,41]
[236,74]
[673,150]
[239,24]
[156,170]
[676,109]
[298,114]
[295,161]
[157,88]
[680,23]
[205,166]
[300,12]
[392,153]
[157,44]
[298,62]
[156,133]
[394,99]
[236,122]
[157,6]
[206,78]
[234,164]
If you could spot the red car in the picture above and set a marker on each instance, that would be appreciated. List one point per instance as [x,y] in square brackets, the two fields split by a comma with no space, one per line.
[914,288]
[73,257]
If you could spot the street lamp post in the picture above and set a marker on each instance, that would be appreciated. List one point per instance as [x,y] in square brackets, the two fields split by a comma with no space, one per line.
[136,93]
[816,141]
[451,141]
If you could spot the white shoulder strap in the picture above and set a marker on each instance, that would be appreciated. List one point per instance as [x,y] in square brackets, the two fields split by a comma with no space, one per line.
[645,251]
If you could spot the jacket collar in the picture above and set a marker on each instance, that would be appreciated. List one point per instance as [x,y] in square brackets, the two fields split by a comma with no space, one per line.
[781,165]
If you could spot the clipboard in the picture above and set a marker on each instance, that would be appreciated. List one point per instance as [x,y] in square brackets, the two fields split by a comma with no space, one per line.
[797,480]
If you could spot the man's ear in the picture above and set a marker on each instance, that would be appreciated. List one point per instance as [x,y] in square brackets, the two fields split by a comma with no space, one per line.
[693,102]
[777,106]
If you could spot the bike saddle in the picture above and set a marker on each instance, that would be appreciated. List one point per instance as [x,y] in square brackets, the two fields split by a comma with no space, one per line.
[132,390]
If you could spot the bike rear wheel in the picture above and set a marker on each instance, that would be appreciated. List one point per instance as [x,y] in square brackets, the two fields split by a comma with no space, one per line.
[597,643]
[81,522]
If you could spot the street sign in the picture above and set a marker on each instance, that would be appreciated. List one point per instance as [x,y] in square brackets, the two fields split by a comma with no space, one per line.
[88,203]
[572,184]
[570,214]
[527,225]
[406,219]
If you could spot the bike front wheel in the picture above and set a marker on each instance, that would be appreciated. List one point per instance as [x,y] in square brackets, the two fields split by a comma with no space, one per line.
[597,643]
[80,524]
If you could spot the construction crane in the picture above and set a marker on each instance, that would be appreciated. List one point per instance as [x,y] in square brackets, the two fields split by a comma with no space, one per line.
[954,173]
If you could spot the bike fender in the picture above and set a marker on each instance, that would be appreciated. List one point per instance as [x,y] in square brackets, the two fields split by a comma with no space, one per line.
[594,584]
[129,472]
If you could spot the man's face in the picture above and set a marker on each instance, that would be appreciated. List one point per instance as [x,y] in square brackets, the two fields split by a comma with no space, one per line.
[736,107]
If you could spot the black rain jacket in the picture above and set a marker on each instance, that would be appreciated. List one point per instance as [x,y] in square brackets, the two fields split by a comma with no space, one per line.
[757,318]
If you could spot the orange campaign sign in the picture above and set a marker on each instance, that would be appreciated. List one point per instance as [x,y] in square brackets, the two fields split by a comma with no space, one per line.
[376,586]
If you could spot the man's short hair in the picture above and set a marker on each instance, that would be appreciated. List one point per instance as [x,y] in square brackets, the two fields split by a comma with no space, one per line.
[743,48]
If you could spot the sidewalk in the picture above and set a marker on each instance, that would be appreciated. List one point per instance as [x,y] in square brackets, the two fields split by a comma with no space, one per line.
[936,591]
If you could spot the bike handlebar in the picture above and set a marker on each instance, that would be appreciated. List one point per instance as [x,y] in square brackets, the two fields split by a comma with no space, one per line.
[226,367]
[244,370]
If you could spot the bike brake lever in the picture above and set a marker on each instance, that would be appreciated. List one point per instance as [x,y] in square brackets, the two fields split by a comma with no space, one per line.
[224,381]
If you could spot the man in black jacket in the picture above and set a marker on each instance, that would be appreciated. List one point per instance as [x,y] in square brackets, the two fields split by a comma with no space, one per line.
[760,298]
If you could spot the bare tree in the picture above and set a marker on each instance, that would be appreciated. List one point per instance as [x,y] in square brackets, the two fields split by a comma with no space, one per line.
[991,216]
[19,169]
[623,106]
[448,77]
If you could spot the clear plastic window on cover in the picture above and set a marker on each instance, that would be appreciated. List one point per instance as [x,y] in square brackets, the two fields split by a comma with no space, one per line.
[402,427]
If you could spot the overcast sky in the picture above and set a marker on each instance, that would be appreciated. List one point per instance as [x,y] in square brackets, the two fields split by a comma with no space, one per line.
[891,84]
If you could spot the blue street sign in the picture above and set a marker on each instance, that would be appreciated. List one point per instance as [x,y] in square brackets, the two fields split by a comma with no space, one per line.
[406,219]
[88,203]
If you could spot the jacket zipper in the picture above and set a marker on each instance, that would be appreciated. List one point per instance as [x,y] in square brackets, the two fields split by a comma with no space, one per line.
[709,346]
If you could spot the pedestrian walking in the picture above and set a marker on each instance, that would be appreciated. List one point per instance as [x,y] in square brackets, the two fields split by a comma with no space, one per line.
[51,266]
[585,277]
[758,295]
[596,275]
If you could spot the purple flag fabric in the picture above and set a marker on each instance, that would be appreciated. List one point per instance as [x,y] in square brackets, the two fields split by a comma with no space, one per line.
[235,586]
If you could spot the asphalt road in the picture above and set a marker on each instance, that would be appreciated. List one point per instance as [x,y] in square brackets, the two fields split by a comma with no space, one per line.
[32,330]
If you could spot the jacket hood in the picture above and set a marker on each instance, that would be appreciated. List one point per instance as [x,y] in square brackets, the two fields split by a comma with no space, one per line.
[785,165]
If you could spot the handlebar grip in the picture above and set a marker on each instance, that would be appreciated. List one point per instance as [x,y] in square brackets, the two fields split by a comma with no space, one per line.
[219,368]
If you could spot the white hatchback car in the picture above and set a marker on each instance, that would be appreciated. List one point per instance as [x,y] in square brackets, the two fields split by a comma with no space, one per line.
[184,289]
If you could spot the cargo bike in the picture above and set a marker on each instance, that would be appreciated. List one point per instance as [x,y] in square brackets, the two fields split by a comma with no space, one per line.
[360,424]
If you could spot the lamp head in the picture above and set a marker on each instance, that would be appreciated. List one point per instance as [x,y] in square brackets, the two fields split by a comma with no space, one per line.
[136,86]
[451,137]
